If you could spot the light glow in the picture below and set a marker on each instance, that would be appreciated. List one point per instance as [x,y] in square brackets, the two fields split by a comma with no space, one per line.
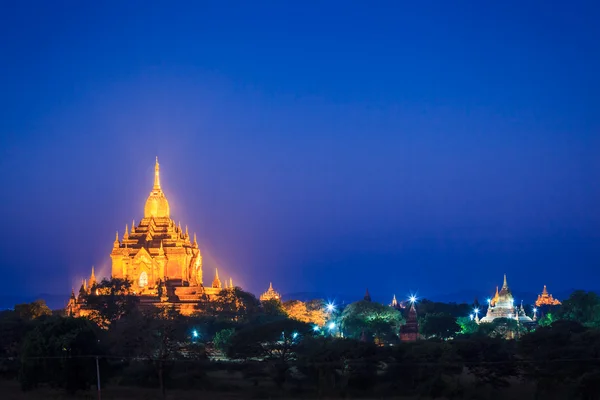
[330,307]
[331,325]
[412,299]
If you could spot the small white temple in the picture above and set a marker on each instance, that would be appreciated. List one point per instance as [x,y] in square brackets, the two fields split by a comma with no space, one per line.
[503,306]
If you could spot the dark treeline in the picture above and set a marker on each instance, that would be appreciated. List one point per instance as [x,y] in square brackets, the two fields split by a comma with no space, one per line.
[238,344]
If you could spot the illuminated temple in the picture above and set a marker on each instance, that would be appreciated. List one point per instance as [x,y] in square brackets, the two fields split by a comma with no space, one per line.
[546,299]
[160,258]
[502,305]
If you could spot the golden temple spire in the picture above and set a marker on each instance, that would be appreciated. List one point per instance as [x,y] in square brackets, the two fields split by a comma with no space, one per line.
[545,291]
[505,285]
[216,282]
[92,277]
[230,282]
[195,241]
[186,231]
[126,231]
[156,175]
[133,226]
[116,242]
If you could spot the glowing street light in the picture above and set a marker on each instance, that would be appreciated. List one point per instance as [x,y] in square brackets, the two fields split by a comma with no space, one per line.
[412,299]
[294,335]
[489,301]
[330,307]
[331,326]
[194,333]
[316,328]
[471,316]
[476,311]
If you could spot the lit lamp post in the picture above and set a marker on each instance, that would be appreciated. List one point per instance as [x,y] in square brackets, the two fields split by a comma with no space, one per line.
[534,313]
[476,311]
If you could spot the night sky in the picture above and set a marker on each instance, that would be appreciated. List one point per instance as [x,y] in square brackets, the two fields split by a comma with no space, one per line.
[402,147]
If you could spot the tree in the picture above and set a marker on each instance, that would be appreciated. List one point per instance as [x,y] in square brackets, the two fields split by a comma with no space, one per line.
[222,339]
[160,336]
[372,320]
[274,340]
[60,352]
[467,325]
[236,305]
[29,311]
[582,307]
[312,312]
[442,326]
[546,320]
[273,308]
[111,299]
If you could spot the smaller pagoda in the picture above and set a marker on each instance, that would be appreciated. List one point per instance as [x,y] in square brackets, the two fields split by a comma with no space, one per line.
[270,294]
[546,299]
[409,332]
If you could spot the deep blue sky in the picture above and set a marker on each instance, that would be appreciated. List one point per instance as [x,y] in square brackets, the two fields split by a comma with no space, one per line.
[399,146]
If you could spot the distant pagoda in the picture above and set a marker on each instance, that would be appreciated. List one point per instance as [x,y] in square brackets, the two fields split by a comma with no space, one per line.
[546,299]
[409,332]
[270,294]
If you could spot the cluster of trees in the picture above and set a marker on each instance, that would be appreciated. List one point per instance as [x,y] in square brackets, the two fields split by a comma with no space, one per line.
[300,347]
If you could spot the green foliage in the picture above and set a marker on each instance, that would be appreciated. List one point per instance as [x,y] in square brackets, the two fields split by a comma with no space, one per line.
[441,326]
[374,319]
[546,320]
[222,338]
[467,325]
[29,311]
[55,351]
[583,307]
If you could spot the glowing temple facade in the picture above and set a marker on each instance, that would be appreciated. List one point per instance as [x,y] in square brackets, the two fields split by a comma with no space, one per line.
[546,299]
[270,294]
[502,305]
[160,258]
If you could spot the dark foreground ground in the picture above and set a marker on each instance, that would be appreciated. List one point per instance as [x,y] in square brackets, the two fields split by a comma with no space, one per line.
[10,390]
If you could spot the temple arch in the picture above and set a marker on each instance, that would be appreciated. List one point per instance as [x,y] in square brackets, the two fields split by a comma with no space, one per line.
[143,280]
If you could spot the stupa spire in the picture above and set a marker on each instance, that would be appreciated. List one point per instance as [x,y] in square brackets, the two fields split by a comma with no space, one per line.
[92,277]
[133,226]
[156,175]
[505,285]
[230,282]
[216,282]
[367,296]
[195,241]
